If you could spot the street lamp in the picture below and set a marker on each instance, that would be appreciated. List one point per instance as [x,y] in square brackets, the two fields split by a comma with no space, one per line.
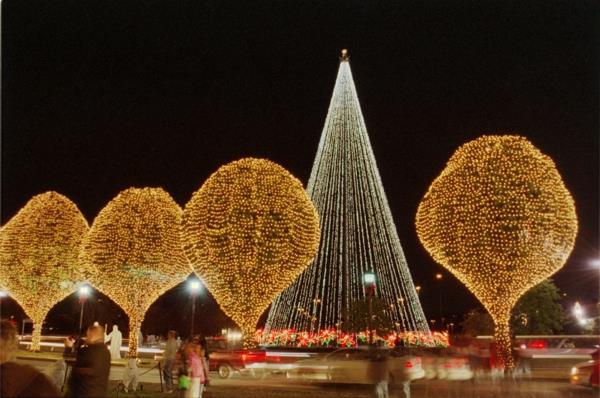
[370,284]
[3,294]
[439,277]
[194,286]
[418,289]
[84,292]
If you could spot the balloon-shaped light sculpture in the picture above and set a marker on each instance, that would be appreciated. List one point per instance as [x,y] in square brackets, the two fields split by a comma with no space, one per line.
[249,231]
[38,255]
[134,245]
[500,218]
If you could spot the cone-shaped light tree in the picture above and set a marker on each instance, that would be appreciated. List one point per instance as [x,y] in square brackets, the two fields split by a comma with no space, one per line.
[38,255]
[249,231]
[134,245]
[358,234]
[500,218]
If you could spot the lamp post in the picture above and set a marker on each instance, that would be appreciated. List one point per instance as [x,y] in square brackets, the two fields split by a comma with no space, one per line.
[84,293]
[418,289]
[370,284]
[194,287]
[439,277]
[2,295]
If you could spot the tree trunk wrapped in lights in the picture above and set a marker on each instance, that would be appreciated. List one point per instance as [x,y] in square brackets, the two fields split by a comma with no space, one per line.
[500,218]
[38,256]
[249,231]
[134,246]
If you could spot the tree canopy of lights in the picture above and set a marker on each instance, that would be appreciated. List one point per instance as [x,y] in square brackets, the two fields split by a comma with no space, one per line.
[135,248]
[38,255]
[500,218]
[249,231]
[357,231]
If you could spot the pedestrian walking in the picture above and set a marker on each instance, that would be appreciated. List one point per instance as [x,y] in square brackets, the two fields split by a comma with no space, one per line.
[169,356]
[379,371]
[89,377]
[131,375]
[197,370]
[200,339]
[20,381]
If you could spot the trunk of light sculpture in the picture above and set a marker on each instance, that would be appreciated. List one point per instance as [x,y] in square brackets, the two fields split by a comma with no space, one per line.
[503,341]
[36,334]
[248,331]
[135,326]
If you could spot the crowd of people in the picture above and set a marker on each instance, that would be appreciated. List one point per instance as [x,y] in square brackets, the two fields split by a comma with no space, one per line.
[185,366]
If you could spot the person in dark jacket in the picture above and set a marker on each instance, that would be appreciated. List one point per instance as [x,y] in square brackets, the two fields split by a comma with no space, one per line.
[89,377]
[19,381]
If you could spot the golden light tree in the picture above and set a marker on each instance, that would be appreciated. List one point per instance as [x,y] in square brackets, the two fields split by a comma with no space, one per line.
[134,246]
[500,218]
[38,256]
[249,231]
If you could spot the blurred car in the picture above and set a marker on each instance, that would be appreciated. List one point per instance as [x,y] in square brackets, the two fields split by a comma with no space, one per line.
[227,362]
[351,365]
[277,362]
[587,373]
[439,365]
[559,347]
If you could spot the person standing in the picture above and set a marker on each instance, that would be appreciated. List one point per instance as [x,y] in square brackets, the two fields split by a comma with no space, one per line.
[197,371]
[89,377]
[116,339]
[201,339]
[169,355]
[16,380]
[379,371]
[131,375]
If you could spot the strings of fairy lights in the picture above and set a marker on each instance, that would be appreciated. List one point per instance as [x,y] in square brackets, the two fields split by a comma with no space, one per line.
[500,218]
[38,255]
[134,247]
[249,231]
[357,230]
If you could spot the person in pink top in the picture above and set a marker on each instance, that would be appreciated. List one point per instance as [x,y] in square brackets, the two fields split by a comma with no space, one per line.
[197,371]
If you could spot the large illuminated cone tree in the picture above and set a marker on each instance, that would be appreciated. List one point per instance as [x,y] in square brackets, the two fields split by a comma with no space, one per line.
[249,231]
[500,218]
[358,233]
[135,247]
[38,255]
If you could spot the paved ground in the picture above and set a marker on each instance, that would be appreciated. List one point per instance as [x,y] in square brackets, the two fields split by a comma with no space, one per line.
[236,388]
[278,387]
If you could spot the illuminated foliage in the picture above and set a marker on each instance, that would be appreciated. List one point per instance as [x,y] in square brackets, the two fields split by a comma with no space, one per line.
[338,338]
[500,218]
[135,247]
[249,231]
[358,233]
[38,255]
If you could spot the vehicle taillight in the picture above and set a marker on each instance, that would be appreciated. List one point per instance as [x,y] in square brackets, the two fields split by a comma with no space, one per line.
[244,357]
[537,344]
[408,364]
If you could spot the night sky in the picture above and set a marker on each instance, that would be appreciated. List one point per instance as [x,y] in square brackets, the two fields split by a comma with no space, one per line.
[101,96]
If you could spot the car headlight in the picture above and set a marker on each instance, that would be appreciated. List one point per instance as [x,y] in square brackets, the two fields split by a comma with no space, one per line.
[574,371]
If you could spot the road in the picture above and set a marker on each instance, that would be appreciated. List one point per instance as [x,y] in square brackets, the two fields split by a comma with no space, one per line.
[278,387]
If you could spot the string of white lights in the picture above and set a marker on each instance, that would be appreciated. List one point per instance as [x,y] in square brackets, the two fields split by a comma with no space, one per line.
[357,231]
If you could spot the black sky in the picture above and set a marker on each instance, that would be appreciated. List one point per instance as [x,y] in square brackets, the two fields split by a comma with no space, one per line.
[101,96]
